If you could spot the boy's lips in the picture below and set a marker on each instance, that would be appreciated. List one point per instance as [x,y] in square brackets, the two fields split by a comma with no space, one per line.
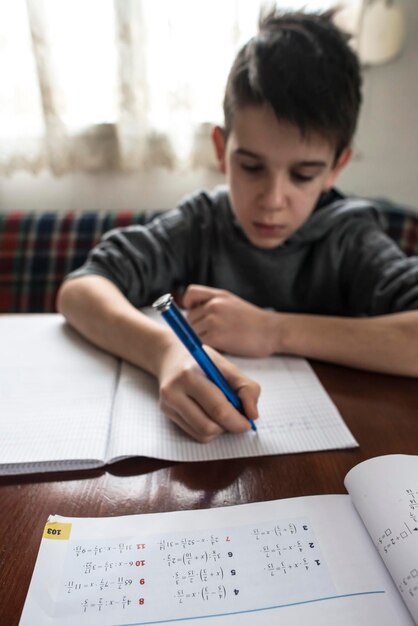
[269,230]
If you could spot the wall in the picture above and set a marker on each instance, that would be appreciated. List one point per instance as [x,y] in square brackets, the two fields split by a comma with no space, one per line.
[385,162]
[387,138]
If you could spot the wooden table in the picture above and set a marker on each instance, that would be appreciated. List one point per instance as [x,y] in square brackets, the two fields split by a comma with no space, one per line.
[381,411]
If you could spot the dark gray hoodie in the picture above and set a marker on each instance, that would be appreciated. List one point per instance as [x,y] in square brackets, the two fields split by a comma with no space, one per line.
[340,262]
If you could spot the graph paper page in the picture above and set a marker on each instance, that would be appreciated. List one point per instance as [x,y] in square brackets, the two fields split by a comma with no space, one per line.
[296,415]
[56,393]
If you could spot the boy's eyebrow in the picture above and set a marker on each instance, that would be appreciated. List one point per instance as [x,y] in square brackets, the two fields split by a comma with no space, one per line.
[311,164]
[248,153]
[255,155]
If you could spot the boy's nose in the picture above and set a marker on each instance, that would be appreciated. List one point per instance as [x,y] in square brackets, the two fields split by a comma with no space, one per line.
[275,193]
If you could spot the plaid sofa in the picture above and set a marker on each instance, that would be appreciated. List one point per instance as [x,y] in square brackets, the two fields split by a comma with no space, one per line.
[38,249]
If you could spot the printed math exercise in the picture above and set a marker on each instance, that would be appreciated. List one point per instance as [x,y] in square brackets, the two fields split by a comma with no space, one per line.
[248,568]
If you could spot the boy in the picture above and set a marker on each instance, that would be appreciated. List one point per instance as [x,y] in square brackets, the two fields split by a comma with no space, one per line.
[278,262]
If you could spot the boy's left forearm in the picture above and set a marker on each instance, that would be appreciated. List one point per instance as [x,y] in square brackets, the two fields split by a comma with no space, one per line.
[386,344]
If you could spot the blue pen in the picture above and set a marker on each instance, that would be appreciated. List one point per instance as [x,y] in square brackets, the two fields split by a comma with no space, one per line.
[174,318]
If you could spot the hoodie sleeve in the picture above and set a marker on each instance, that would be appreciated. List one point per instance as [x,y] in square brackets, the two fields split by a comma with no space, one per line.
[140,260]
[375,274]
[147,261]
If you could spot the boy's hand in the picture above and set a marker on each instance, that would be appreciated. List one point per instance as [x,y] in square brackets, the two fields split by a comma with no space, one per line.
[229,323]
[195,404]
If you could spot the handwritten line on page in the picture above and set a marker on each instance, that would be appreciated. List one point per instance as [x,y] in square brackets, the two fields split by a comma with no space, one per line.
[64,404]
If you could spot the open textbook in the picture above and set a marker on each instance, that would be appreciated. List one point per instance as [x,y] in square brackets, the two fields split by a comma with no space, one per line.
[65,404]
[318,560]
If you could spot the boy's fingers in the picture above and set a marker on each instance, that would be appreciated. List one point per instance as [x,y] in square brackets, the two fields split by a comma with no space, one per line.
[249,395]
[191,417]
[216,408]
[248,390]
[201,409]
[198,294]
[206,413]
[225,415]
[188,428]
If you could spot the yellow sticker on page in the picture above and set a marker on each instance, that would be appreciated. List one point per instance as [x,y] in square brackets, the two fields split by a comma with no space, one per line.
[57,530]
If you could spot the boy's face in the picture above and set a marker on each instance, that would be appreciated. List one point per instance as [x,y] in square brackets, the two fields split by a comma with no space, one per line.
[275,175]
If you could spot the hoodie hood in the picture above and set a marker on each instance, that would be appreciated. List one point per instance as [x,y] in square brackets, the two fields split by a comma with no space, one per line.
[334,209]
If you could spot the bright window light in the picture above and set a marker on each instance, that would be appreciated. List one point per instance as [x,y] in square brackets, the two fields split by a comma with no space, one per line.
[83,57]
[188,51]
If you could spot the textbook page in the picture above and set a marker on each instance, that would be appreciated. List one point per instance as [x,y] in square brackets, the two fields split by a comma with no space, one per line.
[56,393]
[296,415]
[384,491]
[298,561]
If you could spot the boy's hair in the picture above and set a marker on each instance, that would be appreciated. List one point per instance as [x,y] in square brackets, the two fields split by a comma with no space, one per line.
[300,64]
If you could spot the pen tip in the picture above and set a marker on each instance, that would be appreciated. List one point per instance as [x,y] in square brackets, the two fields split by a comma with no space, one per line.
[253,426]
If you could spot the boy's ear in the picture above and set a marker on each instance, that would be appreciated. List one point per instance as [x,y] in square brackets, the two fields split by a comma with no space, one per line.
[218,140]
[341,162]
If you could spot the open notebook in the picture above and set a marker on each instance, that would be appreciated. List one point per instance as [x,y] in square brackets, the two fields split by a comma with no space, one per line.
[66,405]
[350,560]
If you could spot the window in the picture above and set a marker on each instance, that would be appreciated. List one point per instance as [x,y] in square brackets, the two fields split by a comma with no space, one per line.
[94,83]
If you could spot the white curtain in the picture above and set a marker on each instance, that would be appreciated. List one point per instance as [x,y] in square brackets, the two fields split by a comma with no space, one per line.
[92,85]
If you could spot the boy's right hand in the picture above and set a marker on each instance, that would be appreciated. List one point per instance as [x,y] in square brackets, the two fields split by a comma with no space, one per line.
[195,404]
